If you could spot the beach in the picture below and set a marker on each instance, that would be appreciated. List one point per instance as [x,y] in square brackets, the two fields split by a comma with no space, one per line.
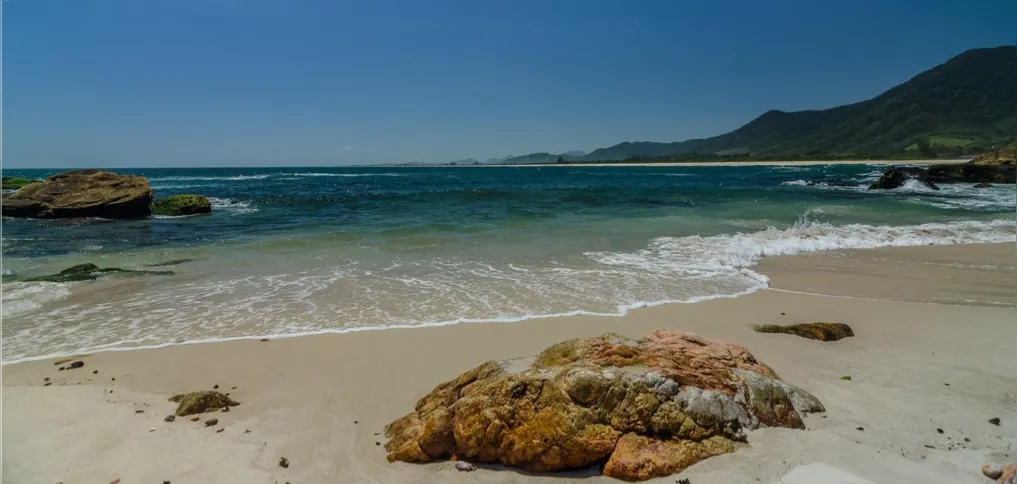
[919,363]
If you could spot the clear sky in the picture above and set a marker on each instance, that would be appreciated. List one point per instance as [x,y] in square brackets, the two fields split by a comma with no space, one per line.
[120,83]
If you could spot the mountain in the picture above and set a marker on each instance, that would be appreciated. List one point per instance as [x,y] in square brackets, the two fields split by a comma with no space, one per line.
[966,105]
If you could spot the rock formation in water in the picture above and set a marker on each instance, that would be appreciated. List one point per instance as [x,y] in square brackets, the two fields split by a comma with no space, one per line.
[640,408]
[91,272]
[82,193]
[179,205]
[817,331]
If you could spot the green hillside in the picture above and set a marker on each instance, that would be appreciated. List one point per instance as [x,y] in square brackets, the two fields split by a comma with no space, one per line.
[967,105]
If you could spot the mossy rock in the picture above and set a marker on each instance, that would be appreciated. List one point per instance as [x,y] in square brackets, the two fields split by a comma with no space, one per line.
[816,331]
[16,182]
[179,205]
[201,402]
[91,272]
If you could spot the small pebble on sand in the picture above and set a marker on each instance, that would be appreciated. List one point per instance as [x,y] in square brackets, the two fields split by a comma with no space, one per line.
[284,463]
[170,418]
[994,420]
[210,422]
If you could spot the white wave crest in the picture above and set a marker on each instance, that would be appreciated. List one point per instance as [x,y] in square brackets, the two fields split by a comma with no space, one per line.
[234,206]
[23,297]
[211,178]
[732,252]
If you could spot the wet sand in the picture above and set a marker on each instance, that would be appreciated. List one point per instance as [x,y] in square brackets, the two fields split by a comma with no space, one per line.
[917,365]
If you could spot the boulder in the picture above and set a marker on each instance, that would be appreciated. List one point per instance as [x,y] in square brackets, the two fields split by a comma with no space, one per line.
[16,182]
[82,193]
[973,172]
[643,408]
[1001,474]
[179,205]
[983,185]
[817,331]
[897,176]
[91,272]
[201,402]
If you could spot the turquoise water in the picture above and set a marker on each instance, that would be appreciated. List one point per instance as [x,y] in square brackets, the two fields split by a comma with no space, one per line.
[309,250]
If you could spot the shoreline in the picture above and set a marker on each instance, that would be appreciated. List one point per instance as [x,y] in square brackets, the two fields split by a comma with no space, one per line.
[322,401]
[764,264]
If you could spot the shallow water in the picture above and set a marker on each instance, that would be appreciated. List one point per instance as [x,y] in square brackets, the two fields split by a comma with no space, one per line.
[296,251]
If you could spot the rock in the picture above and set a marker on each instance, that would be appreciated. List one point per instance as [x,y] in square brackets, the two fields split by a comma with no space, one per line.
[284,463]
[139,411]
[210,422]
[897,176]
[179,205]
[463,466]
[170,418]
[983,185]
[972,173]
[219,431]
[1005,156]
[16,182]
[76,364]
[994,421]
[846,377]
[200,402]
[648,408]
[195,418]
[1002,475]
[91,272]
[45,379]
[95,372]
[817,331]
[939,430]
[82,193]
[215,387]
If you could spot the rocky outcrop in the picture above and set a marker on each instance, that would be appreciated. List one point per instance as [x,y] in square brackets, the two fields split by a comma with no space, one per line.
[91,272]
[1005,156]
[1001,474]
[201,402]
[897,176]
[816,331]
[180,205]
[641,408]
[973,172]
[82,193]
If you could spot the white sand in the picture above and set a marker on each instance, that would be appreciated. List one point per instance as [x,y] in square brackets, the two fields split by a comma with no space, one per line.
[320,401]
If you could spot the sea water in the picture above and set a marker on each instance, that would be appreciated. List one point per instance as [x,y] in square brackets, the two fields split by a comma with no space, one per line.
[291,251]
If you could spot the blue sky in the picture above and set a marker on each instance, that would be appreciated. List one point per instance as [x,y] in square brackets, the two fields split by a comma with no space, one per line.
[119,83]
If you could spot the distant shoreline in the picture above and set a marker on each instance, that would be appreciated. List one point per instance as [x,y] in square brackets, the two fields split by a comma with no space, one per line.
[724,163]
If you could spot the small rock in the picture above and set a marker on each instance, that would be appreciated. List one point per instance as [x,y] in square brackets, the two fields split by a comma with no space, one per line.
[170,418]
[220,430]
[115,481]
[357,421]
[60,369]
[783,314]
[234,387]
[263,340]
[113,379]
[860,429]
[45,379]
[927,446]
[967,439]
[76,364]
[846,378]
[683,481]
[165,482]
[151,429]
[215,387]
[195,418]
[946,384]
[139,411]
[377,443]
[463,466]
[284,463]
[95,372]
[47,384]
[994,421]
[210,422]
[247,431]
[939,430]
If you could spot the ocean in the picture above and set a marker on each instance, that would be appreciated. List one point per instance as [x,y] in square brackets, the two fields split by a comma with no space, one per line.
[294,251]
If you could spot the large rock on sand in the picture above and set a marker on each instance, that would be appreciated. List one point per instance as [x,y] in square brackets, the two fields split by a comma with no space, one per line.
[816,331]
[82,193]
[180,205]
[642,408]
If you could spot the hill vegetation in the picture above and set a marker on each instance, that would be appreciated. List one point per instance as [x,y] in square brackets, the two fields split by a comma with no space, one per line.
[965,106]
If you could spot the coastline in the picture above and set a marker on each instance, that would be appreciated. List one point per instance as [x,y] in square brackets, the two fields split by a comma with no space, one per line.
[301,396]
[728,163]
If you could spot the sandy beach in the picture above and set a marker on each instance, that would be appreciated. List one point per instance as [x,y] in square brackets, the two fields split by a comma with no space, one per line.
[917,365]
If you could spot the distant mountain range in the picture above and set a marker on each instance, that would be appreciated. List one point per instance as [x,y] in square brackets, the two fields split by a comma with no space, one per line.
[967,105]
